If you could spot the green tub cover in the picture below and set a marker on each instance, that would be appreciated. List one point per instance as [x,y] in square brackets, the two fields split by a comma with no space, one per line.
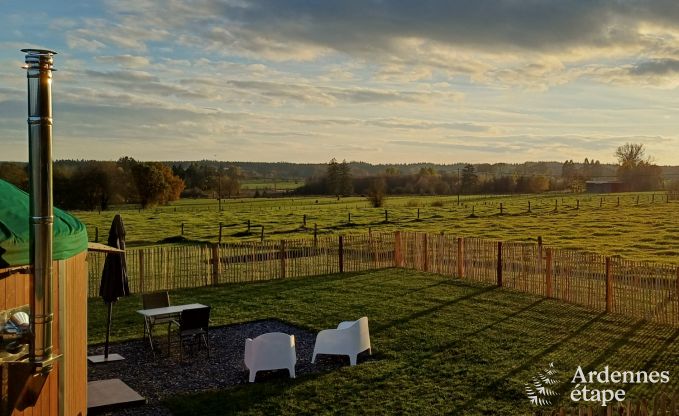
[70,235]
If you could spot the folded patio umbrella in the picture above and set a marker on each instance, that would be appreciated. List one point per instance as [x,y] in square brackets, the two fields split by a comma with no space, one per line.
[114,276]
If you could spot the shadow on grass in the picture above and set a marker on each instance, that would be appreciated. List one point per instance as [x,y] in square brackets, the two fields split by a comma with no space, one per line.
[433,309]
[235,400]
[491,389]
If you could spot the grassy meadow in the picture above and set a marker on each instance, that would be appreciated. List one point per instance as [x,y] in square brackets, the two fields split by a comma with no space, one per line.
[643,230]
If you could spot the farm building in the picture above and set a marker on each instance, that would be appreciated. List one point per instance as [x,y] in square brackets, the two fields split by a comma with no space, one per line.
[605,186]
[43,386]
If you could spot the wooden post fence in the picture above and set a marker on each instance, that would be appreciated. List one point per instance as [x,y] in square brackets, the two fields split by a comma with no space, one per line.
[215,264]
[460,257]
[283,255]
[398,250]
[609,286]
[548,274]
[499,263]
[425,253]
[341,254]
[141,271]
[220,233]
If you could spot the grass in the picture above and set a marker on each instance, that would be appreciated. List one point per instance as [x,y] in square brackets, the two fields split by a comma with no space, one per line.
[647,231]
[270,184]
[442,345]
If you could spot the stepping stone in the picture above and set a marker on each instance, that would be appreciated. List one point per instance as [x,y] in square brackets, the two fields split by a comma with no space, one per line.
[104,395]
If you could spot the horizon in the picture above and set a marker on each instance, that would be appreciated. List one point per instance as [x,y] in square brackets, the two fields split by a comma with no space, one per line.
[384,82]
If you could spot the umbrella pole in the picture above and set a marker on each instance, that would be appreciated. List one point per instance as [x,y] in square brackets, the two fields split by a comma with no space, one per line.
[108,330]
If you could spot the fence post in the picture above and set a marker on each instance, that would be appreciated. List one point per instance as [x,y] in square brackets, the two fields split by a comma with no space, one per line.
[398,253]
[96,234]
[548,274]
[315,235]
[499,263]
[220,233]
[215,264]
[425,252]
[460,257]
[341,254]
[609,286]
[283,255]
[182,229]
[141,270]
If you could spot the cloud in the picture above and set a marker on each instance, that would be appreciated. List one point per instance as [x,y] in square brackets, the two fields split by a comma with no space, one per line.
[129,61]
[655,67]
[411,124]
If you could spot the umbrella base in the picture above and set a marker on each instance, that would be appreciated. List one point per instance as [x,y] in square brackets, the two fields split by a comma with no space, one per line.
[98,359]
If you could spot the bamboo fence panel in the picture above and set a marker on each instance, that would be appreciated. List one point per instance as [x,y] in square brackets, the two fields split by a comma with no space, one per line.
[480,260]
[523,268]
[645,290]
[580,278]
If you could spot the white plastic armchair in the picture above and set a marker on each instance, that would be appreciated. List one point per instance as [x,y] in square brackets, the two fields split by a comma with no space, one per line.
[350,338]
[272,351]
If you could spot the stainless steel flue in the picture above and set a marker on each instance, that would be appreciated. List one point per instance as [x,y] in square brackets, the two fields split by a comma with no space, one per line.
[39,72]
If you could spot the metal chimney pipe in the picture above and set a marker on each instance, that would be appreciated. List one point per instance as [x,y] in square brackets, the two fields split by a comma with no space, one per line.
[39,73]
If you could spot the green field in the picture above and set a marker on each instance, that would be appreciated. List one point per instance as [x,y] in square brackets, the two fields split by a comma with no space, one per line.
[270,184]
[648,230]
[442,345]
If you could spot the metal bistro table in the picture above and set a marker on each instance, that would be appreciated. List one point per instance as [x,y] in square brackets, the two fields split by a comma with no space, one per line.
[169,311]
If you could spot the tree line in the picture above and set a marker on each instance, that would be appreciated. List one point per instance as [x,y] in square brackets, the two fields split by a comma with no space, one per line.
[635,172]
[90,184]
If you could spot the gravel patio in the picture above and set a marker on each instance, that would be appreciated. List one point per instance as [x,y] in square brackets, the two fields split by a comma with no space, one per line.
[161,377]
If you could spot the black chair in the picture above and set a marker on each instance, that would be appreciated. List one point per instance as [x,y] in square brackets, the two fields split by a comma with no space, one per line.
[193,329]
[153,301]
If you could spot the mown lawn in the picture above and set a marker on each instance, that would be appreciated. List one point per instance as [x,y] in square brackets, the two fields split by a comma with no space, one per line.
[443,346]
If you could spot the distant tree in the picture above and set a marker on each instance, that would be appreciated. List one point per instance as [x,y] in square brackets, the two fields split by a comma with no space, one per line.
[346,186]
[377,192]
[15,173]
[630,154]
[332,178]
[636,170]
[469,179]
[174,184]
[156,184]
[392,171]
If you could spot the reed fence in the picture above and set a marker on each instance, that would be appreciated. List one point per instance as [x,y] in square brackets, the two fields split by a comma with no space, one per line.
[612,284]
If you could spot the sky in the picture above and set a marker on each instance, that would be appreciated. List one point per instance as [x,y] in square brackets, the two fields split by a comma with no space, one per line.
[381,81]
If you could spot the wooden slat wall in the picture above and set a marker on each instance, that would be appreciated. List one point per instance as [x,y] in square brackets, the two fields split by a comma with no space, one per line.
[15,292]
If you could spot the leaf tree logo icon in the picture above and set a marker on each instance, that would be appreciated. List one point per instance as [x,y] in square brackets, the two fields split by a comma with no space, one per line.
[540,390]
